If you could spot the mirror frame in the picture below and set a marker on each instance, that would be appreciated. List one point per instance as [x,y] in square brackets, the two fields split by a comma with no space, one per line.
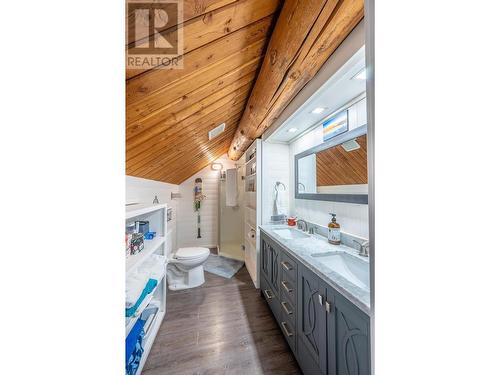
[335,141]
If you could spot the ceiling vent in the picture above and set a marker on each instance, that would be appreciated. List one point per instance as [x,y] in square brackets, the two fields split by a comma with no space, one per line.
[351,145]
[216,131]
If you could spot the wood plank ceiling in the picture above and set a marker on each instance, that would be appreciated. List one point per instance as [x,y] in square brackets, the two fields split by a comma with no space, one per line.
[169,112]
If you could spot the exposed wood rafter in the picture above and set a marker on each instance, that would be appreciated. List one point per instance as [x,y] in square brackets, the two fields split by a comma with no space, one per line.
[306,34]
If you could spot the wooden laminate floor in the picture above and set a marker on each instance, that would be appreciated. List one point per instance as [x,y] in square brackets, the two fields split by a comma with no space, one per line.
[222,327]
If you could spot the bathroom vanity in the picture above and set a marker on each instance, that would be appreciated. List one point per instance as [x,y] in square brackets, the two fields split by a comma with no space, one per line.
[319,295]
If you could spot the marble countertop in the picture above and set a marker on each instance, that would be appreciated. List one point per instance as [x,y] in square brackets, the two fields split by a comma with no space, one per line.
[302,248]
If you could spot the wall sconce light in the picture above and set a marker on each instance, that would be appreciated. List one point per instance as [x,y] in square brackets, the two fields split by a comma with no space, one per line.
[216,166]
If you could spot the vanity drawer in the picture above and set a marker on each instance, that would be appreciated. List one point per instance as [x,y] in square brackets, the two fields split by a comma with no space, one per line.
[288,311]
[288,266]
[271,298]
[288,289]
[289,331]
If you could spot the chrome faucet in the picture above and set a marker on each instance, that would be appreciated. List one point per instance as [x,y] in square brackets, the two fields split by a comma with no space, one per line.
[363,248]
[304,227]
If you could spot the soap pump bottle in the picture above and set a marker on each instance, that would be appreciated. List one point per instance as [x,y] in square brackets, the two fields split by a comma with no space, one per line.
[334,231]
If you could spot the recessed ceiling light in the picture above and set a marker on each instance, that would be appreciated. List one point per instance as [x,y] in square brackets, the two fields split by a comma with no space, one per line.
[318,110]
[292,130]
[361,75]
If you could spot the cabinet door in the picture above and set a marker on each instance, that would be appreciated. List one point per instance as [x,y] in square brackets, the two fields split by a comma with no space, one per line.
[348,338]
[311,323]
[274,268]
[264,259]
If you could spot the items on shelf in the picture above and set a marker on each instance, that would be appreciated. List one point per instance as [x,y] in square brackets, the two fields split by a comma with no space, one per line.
[149,235]
[134,348]
[141,226]
[150,286]
[143,282]
[137,243]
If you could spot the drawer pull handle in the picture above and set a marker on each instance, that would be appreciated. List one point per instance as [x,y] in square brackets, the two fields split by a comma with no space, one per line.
[287,266]
[289,290]
[328,307]
[287,332]
[268,294]
[284,304]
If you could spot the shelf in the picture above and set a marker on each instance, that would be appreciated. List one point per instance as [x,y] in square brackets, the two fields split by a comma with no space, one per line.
[155,327]
[141,209]
[150,246]
[129,322]
[249,161]
[251,175]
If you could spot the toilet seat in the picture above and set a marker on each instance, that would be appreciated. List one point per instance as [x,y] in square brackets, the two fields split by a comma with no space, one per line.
[187,253]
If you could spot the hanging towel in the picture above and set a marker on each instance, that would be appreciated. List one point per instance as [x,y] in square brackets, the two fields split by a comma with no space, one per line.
[232,187]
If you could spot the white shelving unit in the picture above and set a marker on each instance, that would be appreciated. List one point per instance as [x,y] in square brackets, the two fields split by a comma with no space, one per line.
[253,178]
[157,217]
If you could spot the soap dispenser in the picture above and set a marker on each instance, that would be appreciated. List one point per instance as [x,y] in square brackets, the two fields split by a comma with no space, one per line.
[334,231]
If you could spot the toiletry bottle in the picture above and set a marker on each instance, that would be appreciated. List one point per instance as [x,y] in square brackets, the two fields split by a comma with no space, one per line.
[334,231]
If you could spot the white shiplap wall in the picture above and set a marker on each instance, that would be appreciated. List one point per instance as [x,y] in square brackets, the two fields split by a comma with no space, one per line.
[187,217]
[275,162]
[140,190]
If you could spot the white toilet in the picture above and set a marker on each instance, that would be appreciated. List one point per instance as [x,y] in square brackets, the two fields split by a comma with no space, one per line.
[185,268]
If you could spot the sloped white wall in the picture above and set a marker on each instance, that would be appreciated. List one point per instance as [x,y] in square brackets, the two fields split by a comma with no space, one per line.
[187,217]
[141,190]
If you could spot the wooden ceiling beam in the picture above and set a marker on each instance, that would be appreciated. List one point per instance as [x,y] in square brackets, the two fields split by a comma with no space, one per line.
[305,36]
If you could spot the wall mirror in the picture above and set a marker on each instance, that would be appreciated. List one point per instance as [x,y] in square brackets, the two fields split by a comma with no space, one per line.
[335,170]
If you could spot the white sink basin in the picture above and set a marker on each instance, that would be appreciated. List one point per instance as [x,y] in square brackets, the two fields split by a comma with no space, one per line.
[290,234]
[351,268]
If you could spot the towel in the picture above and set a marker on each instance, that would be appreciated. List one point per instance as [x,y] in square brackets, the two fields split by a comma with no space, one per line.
[130,311]
[133,348]
[232,187]
[154,267]
[133,288]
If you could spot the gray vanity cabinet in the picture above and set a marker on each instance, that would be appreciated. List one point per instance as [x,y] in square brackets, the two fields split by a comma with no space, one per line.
[270,264]
[327,333]
[312,338]
[349,335]
[265,260]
